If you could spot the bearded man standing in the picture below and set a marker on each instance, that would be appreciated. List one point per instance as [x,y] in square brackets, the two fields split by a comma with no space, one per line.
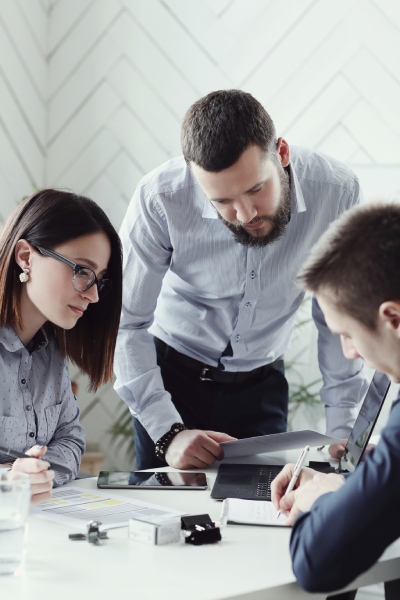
[212,243]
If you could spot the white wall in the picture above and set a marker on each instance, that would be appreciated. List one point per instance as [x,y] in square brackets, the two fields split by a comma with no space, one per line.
[123,72]
[93,91]
[23,98]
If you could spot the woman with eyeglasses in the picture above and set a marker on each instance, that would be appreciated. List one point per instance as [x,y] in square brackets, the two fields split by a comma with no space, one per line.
[60,298]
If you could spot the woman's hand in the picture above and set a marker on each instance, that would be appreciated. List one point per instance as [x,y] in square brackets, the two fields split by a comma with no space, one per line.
[40,475]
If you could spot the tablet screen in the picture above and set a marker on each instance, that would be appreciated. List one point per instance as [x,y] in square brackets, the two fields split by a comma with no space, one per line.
[152,480]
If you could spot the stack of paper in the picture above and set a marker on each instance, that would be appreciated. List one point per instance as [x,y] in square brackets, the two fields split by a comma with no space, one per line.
[251,512]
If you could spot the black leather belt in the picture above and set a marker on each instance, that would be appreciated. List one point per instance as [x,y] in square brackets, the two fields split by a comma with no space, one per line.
[209,373]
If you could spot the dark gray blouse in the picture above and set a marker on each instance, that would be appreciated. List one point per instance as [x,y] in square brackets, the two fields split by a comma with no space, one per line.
[37,405]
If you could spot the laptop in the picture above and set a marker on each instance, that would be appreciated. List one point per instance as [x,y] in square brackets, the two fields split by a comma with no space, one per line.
[253,482]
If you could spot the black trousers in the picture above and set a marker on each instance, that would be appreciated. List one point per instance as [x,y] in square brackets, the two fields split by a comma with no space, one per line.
[257,406]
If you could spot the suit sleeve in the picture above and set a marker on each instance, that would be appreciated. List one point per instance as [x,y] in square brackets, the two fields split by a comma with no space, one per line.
[347,531]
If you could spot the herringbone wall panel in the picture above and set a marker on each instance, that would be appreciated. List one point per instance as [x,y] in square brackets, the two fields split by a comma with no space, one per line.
[23,99]
[93,92]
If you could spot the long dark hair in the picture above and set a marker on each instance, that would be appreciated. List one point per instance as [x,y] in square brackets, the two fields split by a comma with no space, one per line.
[50,218]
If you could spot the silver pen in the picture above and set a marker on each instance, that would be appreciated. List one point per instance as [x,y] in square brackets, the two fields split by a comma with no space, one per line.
[298,467]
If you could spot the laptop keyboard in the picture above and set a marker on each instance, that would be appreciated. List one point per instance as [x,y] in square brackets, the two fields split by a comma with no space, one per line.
[266,475]
[252,482]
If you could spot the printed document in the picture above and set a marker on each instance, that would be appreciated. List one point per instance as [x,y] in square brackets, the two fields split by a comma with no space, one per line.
[76,506]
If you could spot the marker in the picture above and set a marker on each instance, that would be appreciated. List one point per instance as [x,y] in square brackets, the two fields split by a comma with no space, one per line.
[298,467]
[16,454]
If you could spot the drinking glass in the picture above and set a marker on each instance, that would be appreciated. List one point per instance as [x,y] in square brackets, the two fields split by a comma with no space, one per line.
[14,509]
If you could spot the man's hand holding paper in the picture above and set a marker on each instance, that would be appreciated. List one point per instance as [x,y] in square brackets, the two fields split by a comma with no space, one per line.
[194,448]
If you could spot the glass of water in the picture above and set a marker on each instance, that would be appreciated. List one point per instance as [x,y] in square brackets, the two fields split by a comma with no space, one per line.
[14,508]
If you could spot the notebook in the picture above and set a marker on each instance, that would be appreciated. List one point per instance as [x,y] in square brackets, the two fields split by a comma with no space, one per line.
[251,512]
[252,482]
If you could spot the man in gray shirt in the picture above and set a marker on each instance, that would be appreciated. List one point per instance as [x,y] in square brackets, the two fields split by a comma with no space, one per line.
[212,244]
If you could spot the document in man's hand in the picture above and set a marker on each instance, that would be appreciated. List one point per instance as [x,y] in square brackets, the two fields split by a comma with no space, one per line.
[277,442]
[251,512]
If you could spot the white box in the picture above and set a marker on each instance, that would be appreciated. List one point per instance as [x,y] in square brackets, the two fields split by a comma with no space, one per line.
[155,530]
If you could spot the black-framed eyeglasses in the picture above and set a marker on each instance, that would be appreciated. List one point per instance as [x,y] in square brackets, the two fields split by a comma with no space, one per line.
[83,277]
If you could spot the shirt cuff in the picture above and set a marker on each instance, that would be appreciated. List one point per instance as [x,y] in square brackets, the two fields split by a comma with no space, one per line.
[340,420]
[158,418]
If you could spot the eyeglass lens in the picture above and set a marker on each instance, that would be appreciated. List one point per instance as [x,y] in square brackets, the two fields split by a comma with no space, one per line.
[84,278]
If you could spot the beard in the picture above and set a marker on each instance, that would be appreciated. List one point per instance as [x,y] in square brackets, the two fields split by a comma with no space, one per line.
[278,221]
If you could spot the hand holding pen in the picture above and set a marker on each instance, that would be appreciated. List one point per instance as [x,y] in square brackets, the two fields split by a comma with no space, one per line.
[39,471]
[296,473]
[16,454]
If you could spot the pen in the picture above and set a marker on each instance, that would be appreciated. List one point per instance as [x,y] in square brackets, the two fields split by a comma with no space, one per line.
[16,454]
[298,467]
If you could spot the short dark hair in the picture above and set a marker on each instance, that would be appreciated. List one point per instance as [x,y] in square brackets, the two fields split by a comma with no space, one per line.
[50,218]
[218,128]
[356,261]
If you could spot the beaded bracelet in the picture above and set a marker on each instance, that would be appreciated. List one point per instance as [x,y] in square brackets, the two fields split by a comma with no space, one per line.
[164,441]
[163,478]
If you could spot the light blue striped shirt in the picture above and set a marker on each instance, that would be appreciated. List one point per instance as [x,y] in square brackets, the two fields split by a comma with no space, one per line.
[189,283]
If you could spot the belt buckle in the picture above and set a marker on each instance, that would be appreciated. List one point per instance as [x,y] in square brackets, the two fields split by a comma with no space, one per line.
[203,374]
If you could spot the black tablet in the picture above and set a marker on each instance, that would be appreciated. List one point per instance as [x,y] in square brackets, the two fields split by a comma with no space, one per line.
[165,480]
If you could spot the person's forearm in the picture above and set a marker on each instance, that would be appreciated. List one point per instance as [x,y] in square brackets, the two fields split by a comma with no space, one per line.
[67,453]
[147,257]
[139,383]
[334,543]
[346,531]
[345,381]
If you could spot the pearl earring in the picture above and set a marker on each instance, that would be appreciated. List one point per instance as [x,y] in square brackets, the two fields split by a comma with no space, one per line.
[24,276]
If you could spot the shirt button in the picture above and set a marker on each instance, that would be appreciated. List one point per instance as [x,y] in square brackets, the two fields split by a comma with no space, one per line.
[31,434]
[23,381]
[252,274]
[248,304]
[29,407]
[237,338]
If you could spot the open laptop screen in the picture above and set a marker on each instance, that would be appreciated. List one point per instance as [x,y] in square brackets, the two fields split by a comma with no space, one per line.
[252,481]
[365,422]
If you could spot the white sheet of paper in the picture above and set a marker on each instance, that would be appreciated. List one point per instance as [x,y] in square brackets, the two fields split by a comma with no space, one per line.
[277,442]
[76,506]
[251,512]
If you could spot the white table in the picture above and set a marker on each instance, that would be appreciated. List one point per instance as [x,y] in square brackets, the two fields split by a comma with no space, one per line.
[251,563]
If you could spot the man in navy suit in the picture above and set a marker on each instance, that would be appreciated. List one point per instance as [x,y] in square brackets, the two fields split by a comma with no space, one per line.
[341,526]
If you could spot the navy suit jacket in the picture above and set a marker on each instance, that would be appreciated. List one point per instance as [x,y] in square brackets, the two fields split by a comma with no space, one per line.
[347,531]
